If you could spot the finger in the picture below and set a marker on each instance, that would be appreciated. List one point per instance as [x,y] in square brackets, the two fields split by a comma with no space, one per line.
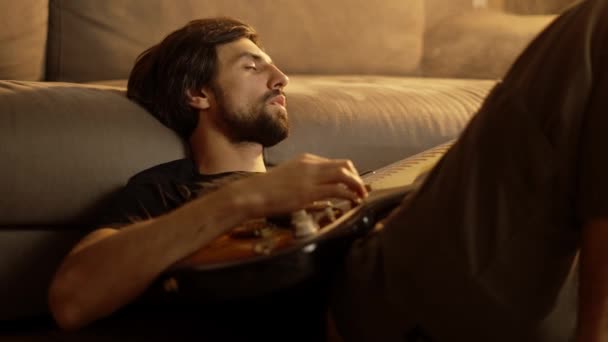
[337,190]
[337,173]
[350,166]
[354,182]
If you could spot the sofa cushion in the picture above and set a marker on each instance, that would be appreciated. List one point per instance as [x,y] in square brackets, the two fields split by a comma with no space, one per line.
[70,145]
[373,120]
[99,40]
[538,6]
[65,147]
[23,31]
[30,258]
[465,45]
[437,11]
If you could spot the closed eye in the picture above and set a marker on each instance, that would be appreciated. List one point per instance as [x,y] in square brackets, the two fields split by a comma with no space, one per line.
[251,67]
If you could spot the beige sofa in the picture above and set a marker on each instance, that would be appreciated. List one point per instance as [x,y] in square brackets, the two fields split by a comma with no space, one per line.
[374,81]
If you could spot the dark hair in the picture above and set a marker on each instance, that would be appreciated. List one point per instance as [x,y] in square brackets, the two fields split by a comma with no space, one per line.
[185,60]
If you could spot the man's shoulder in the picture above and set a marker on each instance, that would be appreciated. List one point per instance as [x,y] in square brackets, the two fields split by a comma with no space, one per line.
[149,193]
[176,170]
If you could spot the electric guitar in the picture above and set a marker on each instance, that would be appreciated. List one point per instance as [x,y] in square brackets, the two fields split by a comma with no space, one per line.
[268,254]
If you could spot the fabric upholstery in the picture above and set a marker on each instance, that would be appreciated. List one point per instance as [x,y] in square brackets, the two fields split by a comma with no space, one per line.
[436,11]
[313,36]
[478,44]
[29,260]
[537,6]
[23,31]
[57,178]
[375,120]
[372,120]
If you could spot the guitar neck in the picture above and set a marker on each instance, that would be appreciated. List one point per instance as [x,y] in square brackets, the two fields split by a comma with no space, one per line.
[405,171]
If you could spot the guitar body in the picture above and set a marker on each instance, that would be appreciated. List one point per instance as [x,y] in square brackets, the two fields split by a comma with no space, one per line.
[232,267]
[243,243]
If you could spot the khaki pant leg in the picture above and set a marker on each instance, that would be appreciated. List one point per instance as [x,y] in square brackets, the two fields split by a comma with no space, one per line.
[483,250]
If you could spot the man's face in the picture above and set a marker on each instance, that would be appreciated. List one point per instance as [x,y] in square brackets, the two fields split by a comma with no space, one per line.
[250,105]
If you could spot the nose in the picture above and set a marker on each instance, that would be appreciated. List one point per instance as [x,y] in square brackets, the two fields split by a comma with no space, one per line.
[278,79]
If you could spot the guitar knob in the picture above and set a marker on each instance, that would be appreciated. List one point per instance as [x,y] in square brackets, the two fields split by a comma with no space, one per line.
[170,285]
[366,221]
[362,226]
[309,248]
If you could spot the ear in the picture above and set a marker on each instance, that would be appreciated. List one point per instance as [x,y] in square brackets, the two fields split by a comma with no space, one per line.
[199,100]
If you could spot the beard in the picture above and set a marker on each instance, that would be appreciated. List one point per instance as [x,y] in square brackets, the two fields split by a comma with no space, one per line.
[256,123]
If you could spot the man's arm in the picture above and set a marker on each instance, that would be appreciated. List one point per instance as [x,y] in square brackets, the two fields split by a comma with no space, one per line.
[593,285]
[109,268]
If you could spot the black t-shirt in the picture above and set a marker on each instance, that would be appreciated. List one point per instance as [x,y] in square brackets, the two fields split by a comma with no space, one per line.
[161,189]
[277,316]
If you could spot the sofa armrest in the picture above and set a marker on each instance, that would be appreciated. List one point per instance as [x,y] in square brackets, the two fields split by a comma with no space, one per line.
[478,44]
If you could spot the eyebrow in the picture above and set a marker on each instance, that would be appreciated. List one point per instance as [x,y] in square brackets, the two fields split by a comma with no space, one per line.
[254,56]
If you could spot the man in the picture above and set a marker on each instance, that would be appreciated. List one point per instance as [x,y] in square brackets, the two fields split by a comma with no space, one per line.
[213,85]
[479,253]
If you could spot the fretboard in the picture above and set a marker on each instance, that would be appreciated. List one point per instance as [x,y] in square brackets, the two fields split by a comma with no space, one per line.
[405,171]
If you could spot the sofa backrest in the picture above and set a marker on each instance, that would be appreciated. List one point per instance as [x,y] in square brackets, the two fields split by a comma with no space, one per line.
[91,40]
[312,36]
[23,34]
[536,6]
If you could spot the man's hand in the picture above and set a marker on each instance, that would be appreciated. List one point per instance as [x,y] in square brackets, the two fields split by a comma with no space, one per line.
[297,183]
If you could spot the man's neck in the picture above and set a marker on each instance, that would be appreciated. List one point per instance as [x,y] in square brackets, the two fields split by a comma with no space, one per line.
[214,153]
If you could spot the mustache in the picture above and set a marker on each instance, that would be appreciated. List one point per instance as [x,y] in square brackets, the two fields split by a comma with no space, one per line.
[273,93]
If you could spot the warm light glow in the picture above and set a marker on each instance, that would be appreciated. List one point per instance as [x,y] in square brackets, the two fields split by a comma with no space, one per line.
[480,3]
